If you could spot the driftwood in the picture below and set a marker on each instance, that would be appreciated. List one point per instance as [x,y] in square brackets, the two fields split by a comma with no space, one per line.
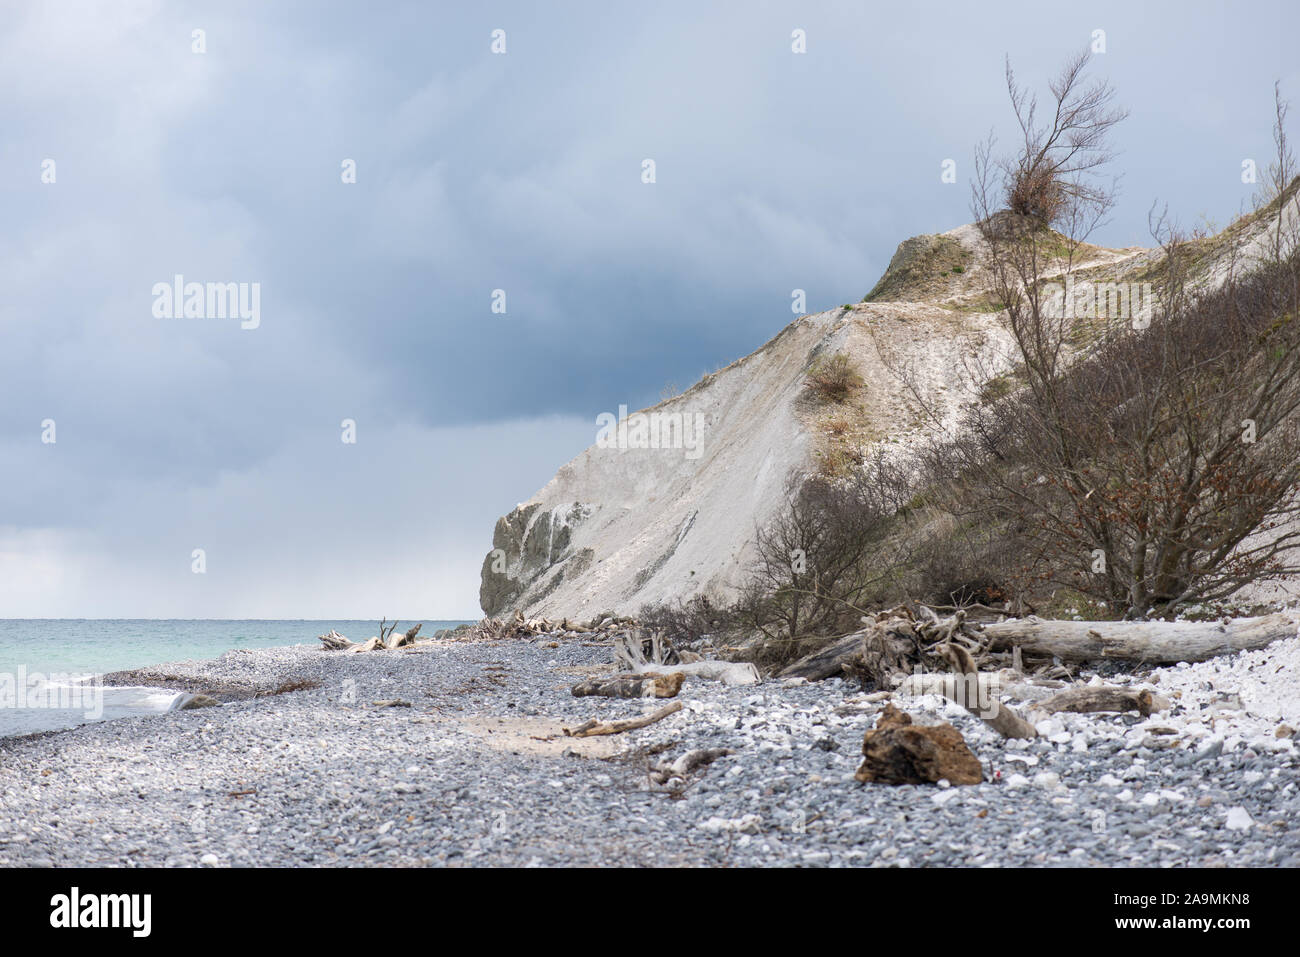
[1000,717]
[593,727]
[1086,699]
[519,627]
[882,646]
[728,672]
[629,651]
[829,662]
[666,771]
[1153,642]
[896,751]
[333,641]
[887,645]
[400,640]
[647,684]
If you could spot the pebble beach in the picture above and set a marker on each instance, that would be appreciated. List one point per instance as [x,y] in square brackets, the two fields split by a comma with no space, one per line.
[454,754]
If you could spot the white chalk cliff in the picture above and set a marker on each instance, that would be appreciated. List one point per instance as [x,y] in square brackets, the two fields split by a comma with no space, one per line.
[617,528]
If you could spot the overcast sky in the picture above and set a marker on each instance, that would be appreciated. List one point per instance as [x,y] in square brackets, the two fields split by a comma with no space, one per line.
[476,171]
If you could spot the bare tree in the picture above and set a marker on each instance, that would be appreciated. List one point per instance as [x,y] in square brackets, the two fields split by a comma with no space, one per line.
[1051,174]
[1279,184]
[823,557]
[1155,464]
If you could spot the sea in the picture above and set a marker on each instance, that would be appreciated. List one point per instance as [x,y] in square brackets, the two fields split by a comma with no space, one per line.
[48,666]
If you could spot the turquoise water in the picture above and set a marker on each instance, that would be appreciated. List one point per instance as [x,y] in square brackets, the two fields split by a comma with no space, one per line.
[44,663]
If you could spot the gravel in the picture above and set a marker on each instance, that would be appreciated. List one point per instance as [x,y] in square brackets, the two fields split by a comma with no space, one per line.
[470,767]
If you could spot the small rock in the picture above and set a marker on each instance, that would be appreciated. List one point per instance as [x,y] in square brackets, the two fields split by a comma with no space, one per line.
[198,701]
[1049,727]
[1239,819]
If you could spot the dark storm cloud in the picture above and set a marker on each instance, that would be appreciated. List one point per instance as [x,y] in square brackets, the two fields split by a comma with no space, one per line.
[476,172]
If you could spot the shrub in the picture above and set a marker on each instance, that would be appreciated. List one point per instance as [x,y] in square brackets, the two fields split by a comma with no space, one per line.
[823,559]
[1036,194]
[1158,469]
[833,379]
[688,622]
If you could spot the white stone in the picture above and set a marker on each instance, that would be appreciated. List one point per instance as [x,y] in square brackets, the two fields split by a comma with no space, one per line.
[1239,819]
[1048,727]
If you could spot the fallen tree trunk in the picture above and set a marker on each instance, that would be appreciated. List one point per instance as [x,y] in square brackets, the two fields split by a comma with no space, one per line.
[1153,642]
[885,647]
[829,662]
[593,727]
[646,685]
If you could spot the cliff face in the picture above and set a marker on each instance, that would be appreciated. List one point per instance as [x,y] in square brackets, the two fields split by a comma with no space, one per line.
[626,523]
[666,503]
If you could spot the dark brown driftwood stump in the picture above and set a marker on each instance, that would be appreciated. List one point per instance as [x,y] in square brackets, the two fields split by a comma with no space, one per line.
[899,752]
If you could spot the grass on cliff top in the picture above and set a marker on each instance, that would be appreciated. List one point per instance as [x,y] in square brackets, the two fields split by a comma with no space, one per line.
[922,274]
[1201,251]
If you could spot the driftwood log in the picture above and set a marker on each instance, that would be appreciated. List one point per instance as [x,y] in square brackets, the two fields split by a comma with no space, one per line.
[1000,717]
[644,685]
[406,639]
[829,662]
[883,644]
[667,771]
[333,641]
[629,652]
[887,645]
[1087,699]
[896,751]
[593,727]
[1153,642]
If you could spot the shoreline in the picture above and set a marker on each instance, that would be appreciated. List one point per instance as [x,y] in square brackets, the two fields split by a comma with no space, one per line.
[39,684]
[452,753]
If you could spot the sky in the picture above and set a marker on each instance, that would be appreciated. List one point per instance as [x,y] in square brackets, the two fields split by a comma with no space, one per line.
[158,466]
